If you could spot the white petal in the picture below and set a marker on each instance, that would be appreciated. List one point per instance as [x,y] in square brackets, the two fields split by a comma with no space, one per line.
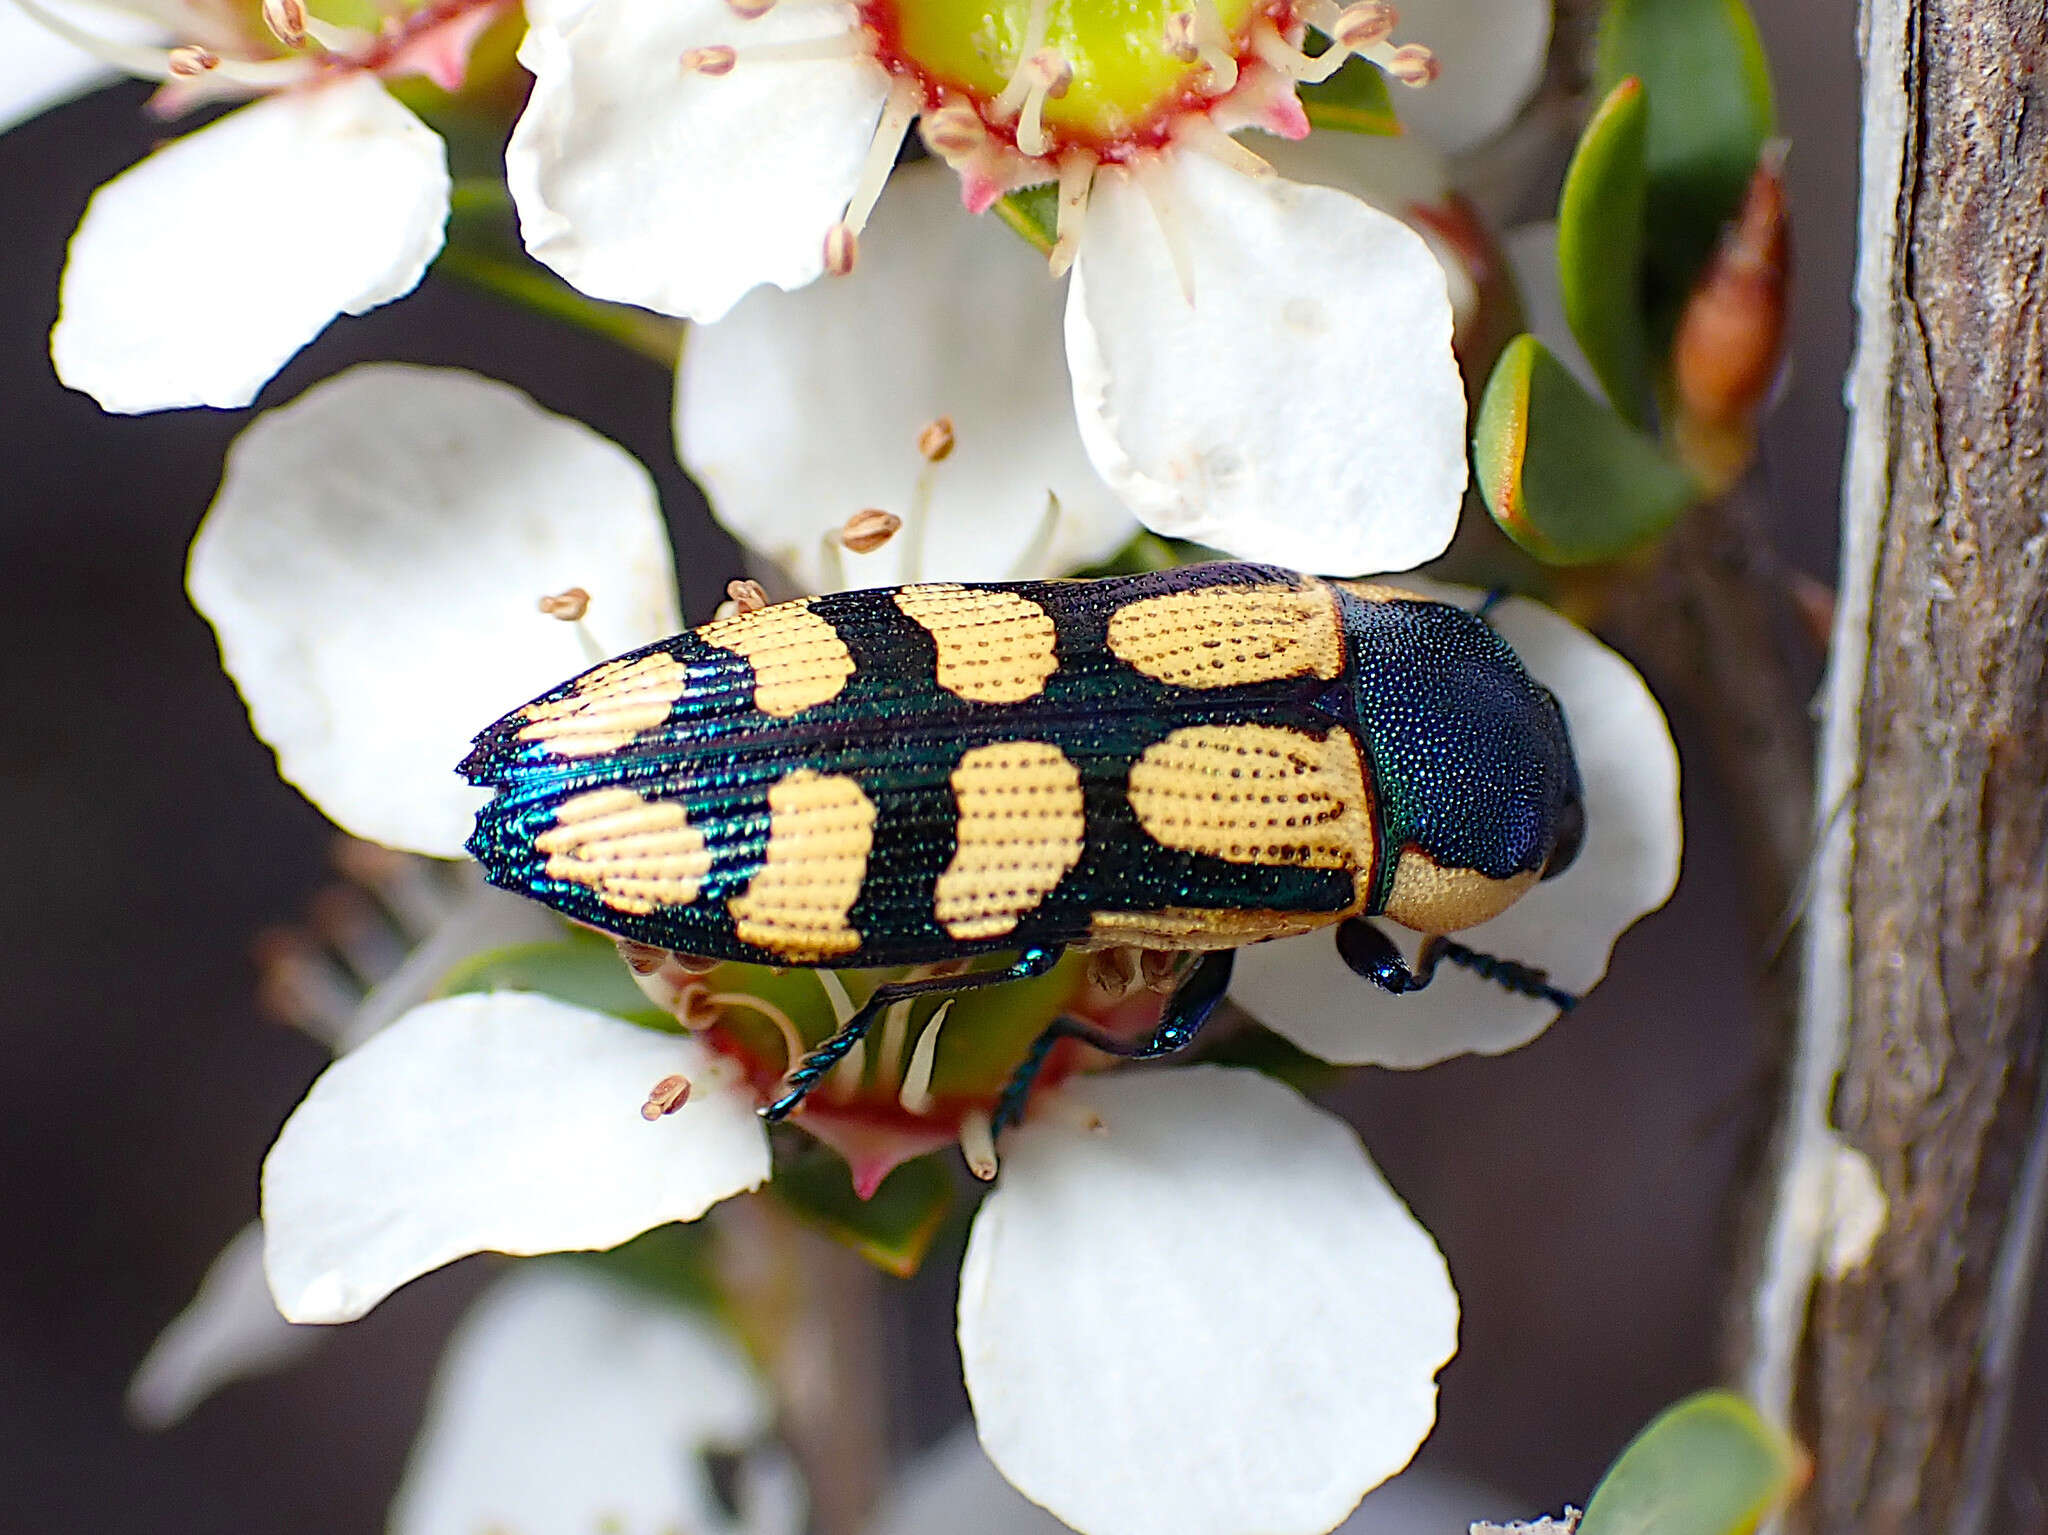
[1212,1318]
[800,409]
[951,1488]
[483,920]
[1532,258]
[1305,407]
[567,1404]
[230,1330]
[1567,925]
[500,1123]
[197,273]
[642,182]
[372,566]
[1492,53]
[40,70]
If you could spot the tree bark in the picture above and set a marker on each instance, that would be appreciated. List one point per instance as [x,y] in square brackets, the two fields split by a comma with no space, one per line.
[1926,986]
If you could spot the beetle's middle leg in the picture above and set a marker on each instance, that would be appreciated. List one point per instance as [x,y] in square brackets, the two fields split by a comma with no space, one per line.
[1186,1011]
[1371,953]
[812,1069]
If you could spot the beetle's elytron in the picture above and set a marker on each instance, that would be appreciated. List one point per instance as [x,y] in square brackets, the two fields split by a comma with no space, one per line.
[1190,760]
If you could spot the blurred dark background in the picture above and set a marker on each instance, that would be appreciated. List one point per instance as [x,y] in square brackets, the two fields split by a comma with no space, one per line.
[1573,1184]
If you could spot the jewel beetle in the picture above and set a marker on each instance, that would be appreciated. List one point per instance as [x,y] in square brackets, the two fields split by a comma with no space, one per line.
[1188,760]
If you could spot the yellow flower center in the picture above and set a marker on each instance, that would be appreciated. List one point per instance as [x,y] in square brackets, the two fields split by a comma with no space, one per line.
[1127,65]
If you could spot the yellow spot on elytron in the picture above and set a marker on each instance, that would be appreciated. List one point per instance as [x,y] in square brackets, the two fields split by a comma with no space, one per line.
[1022,825]
[612,704]
[1190,927]
[1257,794]
[1438,900]
[635,853]
[994,647]
[798,658]
[820,830]
[1226,636]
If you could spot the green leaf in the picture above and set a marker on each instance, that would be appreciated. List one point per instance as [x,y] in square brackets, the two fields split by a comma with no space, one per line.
[1034,213]
[1564,476]
[1353,100]
[892,1229]
[1709,86]
[1600,248]
[582,969]
[1259,1048]
[1708,1466]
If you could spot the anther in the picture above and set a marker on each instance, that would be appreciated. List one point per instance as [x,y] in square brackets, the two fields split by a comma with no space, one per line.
[866,531]
[954,130]
[717,59]
[935,442]
[1113,972]
[287,21]
[191,60]
[1180,37]
[750,10]
[978,1144]
[1411,64]
[842,249]
[569,606]
[1364,25]
[667,1095]
[1158,968]
[640,958]
[746,596]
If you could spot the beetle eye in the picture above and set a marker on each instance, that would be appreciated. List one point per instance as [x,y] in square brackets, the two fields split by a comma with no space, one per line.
[1571,836]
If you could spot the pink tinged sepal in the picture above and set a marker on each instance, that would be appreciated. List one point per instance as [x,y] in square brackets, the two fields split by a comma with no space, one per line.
[873,1150]
[441,53]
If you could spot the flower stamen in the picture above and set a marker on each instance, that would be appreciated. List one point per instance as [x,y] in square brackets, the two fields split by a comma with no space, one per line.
[569,606]
[1077,178]
[978,1144]
[916,1094]
[935,442]
[842,241]
[713,60]
[1010,100]
[1212,48]
[866,531]
[1050,76]
[666,1096]
[1203,136]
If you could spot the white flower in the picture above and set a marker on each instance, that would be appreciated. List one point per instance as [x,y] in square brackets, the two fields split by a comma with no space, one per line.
[1169,1255]
[40,70]
[1255,364]
[568,1403]
[952,1488]
[199,271]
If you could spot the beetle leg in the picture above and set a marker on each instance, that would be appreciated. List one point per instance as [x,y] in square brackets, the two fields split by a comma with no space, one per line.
[1371,953]
[812,1068]
[1186,1011]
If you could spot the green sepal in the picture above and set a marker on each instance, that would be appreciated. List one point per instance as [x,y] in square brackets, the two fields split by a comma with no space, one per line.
[1708,1466]
[581,969]
[1600,247]
[1353,100]
[675,1261]
[892,1229]
[1141,556]
[1563,475]
[1034,213]
[1709,85]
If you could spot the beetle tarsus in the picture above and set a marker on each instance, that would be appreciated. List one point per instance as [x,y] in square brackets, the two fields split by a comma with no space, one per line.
[813,1068]
[1190,1006]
